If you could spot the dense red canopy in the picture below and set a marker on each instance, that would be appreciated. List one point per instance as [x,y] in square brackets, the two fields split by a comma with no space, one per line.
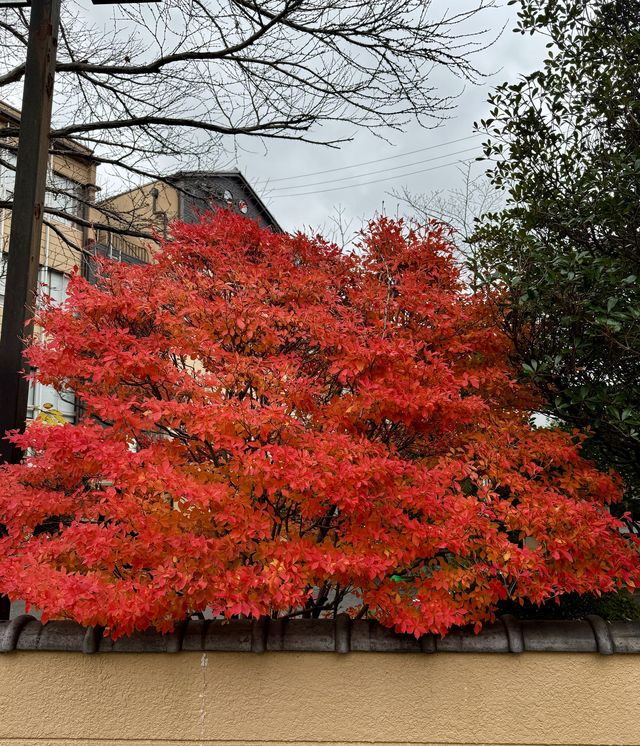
[272,425]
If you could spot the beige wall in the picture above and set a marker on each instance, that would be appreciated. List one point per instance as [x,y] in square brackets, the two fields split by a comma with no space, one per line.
[315,698]
[55,252]
[138,203]
[135,211]
[61,256]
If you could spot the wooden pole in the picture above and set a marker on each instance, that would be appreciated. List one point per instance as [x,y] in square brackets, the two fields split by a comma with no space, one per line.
[26,219]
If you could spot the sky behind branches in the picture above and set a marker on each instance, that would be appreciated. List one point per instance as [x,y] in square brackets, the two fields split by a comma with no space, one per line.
[299,181]
[312,199]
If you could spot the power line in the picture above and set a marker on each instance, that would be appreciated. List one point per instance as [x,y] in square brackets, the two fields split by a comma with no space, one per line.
[377,160]
[379,171]
[372,181]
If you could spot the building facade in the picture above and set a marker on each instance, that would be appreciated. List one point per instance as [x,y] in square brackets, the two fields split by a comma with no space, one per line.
[146,210]
[182,196]
[71,188]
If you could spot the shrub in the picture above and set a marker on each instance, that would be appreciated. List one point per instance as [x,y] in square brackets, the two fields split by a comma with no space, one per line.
[272,426]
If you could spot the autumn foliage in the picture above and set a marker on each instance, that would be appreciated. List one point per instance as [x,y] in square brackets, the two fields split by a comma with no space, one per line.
[273,426]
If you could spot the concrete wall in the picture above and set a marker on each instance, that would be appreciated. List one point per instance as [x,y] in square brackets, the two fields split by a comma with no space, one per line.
[315,698]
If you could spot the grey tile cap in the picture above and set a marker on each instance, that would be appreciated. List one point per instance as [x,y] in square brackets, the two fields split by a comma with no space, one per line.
[342,635]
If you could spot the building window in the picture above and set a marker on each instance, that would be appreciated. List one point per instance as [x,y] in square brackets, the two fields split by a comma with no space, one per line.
[45,399]
[62,193]
[54,284]
[7,174]
[65,195]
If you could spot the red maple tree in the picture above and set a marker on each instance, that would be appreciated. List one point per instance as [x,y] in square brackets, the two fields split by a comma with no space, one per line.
[273,426]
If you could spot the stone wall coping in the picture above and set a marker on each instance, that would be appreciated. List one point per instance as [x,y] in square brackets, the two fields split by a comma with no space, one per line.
[340,635]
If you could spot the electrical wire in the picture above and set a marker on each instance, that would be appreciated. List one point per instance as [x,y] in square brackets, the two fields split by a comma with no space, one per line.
[376,160]
[372,181]
[379,171]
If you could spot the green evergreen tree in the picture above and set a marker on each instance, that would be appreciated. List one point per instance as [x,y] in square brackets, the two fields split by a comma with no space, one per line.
[565,147]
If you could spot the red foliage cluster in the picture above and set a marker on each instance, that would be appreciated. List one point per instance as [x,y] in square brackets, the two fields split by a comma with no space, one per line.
[272,426]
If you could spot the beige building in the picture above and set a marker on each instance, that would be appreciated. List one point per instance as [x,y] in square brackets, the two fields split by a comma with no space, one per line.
[133,216]
[70,188]
[150,208]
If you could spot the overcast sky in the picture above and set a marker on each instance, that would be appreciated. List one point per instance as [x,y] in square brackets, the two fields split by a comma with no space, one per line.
[508,58]
[285,174]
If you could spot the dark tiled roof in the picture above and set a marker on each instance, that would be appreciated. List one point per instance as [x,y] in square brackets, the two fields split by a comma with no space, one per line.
[236,175]
[508,635]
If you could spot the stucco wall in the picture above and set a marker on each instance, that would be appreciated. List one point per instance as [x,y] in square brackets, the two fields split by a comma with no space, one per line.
[135,209]
[55,252]
[311,698]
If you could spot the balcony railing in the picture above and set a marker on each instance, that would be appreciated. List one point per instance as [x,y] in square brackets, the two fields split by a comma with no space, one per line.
[116,246]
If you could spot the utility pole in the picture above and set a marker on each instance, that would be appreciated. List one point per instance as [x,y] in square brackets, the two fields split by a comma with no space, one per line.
[26,219]
[27,212]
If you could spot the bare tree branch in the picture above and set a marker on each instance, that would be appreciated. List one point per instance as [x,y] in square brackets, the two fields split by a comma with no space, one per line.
[169,87]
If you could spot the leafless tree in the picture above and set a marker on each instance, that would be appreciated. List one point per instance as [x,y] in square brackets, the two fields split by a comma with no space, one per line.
[176,85]
[459,207]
